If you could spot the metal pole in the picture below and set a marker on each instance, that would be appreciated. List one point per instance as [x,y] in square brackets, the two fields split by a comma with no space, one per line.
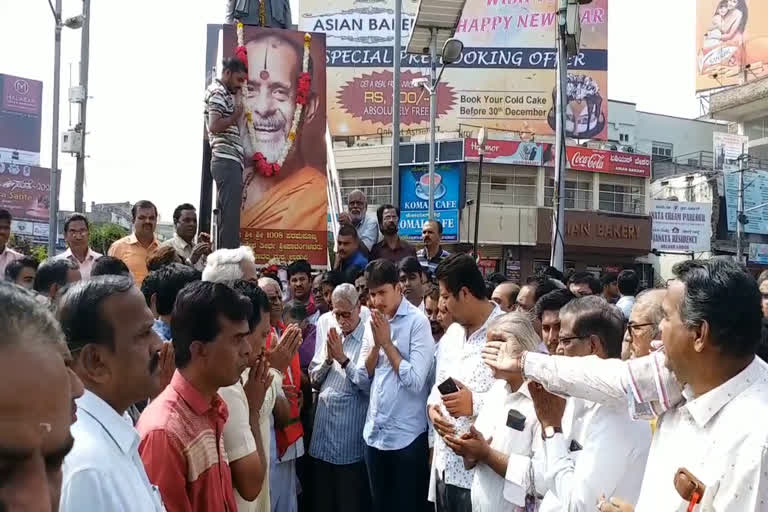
[740,208]
[84,57]
[477,200]
[396,51]
[53,207]
[432,119]
[558,204]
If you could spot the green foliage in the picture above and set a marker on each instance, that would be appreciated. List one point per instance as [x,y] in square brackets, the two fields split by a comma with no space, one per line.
[26,247]
[40,252]
[103,235]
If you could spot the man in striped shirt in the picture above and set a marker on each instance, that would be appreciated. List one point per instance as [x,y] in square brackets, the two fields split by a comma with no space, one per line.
[340,478]
[223,110]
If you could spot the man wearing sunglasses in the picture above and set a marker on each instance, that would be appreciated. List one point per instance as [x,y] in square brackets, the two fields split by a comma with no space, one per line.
[590,449]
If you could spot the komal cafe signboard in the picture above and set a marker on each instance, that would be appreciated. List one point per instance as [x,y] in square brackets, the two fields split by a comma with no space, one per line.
[414,199]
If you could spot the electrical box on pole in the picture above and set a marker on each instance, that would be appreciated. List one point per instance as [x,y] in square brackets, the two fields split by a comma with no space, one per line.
[72,142]
[77,94]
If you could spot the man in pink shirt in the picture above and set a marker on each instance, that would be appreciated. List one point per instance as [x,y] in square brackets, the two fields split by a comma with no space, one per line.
[181,430]
[76,232]
[6,255]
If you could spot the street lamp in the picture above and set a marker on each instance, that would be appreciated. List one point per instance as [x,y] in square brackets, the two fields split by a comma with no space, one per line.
[451,53]
[53,199]
[481,153]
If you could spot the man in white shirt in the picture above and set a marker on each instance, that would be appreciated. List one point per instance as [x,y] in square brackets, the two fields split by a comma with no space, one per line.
[506,434]
[109,330]
[463,291]
[628,282]
[183,240]
[714,426]
[76,233]
[590,449]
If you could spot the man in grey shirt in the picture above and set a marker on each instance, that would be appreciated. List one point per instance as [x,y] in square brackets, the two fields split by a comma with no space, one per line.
[223,111]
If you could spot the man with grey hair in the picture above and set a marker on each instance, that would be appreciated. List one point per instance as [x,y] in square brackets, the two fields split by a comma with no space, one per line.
[365,223]
[501,452]
[231,264]
[35,430]
[337,447]
[643,326]
[613,449]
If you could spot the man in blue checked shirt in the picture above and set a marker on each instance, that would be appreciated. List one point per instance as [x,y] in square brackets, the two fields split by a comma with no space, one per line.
[395,361]
[339,476]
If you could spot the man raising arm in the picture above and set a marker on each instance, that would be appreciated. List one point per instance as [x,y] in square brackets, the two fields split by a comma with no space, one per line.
[711,349]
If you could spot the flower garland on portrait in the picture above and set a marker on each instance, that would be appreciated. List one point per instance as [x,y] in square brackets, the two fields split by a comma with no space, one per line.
[303,85]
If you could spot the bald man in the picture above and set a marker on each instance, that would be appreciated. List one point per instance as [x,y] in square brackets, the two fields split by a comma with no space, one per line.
[505,295]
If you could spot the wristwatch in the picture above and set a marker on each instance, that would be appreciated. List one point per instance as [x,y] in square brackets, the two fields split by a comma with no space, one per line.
[344,364]
[549,432]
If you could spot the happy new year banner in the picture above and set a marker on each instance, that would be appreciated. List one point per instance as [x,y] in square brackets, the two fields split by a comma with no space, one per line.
[505,78]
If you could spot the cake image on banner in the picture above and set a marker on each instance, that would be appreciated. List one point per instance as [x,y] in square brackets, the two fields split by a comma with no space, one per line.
[584,116]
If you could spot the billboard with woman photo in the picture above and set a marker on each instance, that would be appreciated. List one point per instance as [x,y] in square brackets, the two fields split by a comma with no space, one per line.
[731,42]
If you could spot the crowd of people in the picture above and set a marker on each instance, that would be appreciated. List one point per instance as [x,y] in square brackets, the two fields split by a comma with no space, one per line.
[183,378]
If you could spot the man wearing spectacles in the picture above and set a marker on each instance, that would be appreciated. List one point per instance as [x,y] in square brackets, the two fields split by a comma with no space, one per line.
[590,449]
[76,232]
[339,475]
[643,326]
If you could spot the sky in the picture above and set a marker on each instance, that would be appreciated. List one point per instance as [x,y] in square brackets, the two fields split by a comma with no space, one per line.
[146,76]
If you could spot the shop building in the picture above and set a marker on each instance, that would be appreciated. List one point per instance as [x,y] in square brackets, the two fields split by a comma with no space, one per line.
[607,189]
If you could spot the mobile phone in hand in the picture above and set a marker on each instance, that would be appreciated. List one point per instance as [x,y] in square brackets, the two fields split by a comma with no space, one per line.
[447,387]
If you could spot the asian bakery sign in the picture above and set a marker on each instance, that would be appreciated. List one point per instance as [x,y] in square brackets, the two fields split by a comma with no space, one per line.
[594,229]
[579,158]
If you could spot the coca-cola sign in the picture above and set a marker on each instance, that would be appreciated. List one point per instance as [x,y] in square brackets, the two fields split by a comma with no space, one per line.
[579,158]
[591,161]
[611,162]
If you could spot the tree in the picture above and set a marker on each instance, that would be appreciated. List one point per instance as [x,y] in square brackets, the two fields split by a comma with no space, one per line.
[104,235]
[25,246]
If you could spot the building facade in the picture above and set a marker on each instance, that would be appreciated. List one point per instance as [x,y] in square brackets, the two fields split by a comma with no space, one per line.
[607,189]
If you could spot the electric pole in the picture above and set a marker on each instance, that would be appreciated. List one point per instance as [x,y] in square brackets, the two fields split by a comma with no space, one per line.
[84,56]
[53,199]
[396,51]
[558,204]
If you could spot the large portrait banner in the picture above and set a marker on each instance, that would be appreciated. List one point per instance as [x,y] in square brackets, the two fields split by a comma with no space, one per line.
[284,215]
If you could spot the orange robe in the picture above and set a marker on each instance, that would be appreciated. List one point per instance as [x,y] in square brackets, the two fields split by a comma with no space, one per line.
[297,202]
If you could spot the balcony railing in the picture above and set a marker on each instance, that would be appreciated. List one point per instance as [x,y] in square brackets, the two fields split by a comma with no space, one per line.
[693,162]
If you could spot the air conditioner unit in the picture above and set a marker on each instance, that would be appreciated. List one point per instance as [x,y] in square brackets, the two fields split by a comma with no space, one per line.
[72,142]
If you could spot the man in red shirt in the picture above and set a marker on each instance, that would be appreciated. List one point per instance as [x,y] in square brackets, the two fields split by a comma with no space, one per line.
[181,430]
